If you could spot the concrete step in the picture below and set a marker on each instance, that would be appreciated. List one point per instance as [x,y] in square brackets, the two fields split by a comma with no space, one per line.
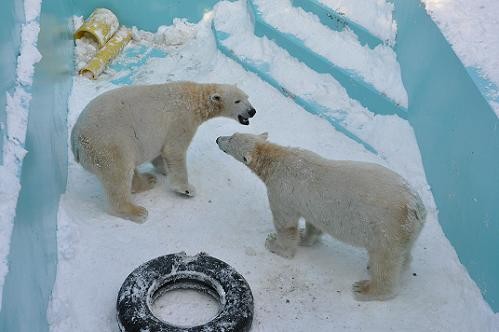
[319,94]
[371,20]
[358,68]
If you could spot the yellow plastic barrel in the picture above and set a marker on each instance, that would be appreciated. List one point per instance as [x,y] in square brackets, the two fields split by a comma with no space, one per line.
[110,51]
[100,26]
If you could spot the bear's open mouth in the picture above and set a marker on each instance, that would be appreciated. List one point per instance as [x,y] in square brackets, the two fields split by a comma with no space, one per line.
[243,120]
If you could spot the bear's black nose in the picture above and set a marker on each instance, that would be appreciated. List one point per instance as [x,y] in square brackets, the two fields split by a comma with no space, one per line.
[217,139]
[252,112]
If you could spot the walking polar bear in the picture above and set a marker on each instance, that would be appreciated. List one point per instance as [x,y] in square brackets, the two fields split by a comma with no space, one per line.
[363,204]
[128,126]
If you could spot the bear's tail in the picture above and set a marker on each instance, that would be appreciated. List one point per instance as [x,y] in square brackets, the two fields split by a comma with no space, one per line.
[75,146]
[418,209]
[416,217]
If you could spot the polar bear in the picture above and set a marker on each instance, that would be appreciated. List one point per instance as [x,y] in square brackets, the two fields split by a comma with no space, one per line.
[360,203]
[128,126]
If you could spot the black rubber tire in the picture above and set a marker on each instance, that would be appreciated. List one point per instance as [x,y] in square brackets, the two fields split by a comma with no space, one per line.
[201,272]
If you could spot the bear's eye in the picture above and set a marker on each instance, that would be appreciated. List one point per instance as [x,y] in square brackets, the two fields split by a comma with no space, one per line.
[237,101]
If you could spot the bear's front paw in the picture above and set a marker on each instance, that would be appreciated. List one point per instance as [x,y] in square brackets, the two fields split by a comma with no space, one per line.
[364,290]
[274,247]
[139,215]
[184,189]
[133,212]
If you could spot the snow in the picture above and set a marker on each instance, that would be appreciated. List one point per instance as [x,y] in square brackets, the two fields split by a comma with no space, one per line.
[374,15]
[230,217]
[185,307]
[167,36]
[472,29]
[17,108]
[9,189]
[29,54]
[32,9]
[322,89]
[378,66]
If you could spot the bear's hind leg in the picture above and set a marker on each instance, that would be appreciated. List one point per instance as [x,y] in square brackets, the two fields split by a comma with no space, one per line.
[384,268]
[310,235]
[142,182]
[117,182]
[407,261]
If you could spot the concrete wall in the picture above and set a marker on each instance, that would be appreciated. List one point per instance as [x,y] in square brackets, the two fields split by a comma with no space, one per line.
[159,12]
[11,18]
[33,252]
[458,134]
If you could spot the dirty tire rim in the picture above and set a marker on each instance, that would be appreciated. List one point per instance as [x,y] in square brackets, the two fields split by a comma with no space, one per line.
[179,271]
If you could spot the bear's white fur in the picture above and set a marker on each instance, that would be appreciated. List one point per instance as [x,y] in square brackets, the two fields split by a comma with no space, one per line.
[128,126]
[363,204]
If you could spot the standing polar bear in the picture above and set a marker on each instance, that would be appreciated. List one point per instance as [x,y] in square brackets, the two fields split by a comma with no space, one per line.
[360,203]
[128,126]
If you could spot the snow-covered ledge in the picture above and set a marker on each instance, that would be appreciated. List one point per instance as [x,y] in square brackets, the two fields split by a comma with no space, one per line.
[17,108]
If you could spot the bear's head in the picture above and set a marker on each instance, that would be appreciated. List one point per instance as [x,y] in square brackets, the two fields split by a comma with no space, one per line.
[240,146]
[233,103]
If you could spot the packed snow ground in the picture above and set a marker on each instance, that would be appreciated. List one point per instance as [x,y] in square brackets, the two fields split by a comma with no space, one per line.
[230,218]
[472,28]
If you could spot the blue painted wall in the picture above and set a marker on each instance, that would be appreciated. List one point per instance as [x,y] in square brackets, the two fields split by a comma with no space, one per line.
[489,89]
[160,12]
[33,252]
[458,134]
[11,18]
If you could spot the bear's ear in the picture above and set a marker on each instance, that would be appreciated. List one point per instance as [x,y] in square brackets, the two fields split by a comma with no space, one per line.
[264,135]
[216,97]
[247,158]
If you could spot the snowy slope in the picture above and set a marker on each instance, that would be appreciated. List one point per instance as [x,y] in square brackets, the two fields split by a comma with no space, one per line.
[230,219]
